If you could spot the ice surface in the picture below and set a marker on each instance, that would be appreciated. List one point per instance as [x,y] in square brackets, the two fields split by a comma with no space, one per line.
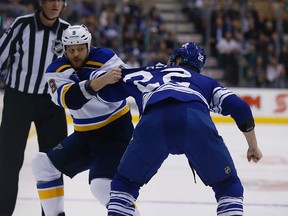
[172,191]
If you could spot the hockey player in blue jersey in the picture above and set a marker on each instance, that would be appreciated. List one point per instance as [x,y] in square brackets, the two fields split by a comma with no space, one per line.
[102,131]
[175,102]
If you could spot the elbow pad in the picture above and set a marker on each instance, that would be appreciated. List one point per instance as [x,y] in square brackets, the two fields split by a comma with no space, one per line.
[247,126]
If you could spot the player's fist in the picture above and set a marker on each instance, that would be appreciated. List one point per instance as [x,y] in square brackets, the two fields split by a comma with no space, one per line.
[113,75]
[254,154]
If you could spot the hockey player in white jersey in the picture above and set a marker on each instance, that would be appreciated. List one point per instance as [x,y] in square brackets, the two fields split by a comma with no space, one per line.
[101,130]
[175,102]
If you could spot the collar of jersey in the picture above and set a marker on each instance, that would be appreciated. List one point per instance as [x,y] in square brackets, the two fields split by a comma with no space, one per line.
[40,26]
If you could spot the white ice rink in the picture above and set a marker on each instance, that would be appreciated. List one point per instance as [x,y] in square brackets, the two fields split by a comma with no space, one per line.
[172,192]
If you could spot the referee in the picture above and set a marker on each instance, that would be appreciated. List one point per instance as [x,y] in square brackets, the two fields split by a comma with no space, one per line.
[29,45]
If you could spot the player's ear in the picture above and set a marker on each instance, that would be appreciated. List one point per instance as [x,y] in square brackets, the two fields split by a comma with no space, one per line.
[178,61]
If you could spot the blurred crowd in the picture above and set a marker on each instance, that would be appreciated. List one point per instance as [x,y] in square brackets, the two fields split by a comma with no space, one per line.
[251,49]
[132,28]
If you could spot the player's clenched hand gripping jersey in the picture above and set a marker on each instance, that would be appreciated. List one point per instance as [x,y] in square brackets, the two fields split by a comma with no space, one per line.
[155,83]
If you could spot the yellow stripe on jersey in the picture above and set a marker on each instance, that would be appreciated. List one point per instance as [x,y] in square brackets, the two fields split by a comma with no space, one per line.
[63,67]
[65,89]
[98,64]
[51,193]
[102,124]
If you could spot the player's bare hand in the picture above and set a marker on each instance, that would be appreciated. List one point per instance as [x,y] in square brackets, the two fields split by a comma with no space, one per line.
[113,75]
[254,154]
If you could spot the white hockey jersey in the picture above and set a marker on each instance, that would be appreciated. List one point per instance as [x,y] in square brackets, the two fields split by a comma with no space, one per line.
[67,90]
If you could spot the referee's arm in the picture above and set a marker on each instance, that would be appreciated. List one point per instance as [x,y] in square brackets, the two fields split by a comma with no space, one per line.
[5,43]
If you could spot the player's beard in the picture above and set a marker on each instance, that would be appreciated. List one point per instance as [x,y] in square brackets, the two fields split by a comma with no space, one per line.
[77,64]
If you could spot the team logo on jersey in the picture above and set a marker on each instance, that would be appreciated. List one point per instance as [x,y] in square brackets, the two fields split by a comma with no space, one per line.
[57,47]
[227,170]
[52,85]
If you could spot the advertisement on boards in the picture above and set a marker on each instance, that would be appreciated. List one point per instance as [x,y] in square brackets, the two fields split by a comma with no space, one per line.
[268,105]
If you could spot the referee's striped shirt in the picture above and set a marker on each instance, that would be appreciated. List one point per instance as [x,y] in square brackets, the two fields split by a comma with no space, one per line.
[26,50]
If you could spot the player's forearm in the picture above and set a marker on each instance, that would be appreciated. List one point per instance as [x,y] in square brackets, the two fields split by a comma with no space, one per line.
[251,139]
[110,77]
[253,153]
[99,83]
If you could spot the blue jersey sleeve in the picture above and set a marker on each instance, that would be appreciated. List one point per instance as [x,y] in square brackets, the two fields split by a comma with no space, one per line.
[114,93]
[240,111]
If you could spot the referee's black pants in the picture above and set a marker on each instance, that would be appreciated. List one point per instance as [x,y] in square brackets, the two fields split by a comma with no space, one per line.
[19,111]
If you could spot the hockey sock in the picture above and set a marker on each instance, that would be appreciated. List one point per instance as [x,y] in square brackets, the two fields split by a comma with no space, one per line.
[122,197]
[51,196]
[229,195]
[230,206]
[121,203]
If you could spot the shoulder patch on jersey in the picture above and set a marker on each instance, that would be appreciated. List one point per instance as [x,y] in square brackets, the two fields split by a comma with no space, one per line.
[52,85]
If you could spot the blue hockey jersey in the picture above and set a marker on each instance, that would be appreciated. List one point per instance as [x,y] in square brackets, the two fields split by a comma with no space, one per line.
[152,84]
[68,91]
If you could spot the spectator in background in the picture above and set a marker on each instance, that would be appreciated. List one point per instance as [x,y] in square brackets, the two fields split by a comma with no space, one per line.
[259,71]
[249,77]
[163,55]
[111,29]
[269,28]
[252,34]
[89,18]
[284,25]
[275,73]
[155,19]
[152,58]
[15,8]
[283,59]
[133,47]
[132,61]
[217,34]
[171,41]
[277,42]
[249,60]
[269,53]
[229,50]
[71,14]
[262,43]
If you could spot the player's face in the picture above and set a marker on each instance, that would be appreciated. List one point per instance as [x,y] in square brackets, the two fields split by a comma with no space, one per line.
[52,8]
[77,55]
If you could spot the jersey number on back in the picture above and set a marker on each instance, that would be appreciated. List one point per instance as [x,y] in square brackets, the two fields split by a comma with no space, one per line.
[142,79]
